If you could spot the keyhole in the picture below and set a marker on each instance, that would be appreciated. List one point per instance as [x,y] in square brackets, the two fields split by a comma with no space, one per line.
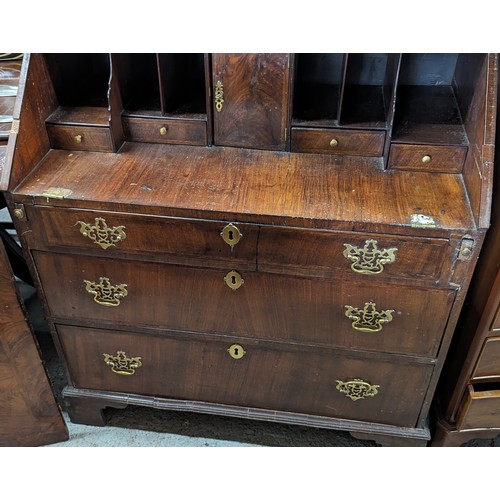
[236,351]
[233,280]
[231,236]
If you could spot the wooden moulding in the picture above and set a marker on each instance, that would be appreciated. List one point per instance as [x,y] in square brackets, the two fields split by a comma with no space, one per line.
[79,400]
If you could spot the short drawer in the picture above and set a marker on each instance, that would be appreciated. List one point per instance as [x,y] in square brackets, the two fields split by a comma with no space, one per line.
[447,159]
[385,318]
[488,363]
[149,237]
[80,138]
[328,253]
[337,141]
[165,131]
[243,372]
[480,408]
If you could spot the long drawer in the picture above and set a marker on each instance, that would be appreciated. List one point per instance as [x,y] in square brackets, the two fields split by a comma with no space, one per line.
[247,373]
[164,238]
[387,318]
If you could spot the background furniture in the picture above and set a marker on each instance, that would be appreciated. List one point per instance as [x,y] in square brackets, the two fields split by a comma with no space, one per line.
[468,403]
[270,236]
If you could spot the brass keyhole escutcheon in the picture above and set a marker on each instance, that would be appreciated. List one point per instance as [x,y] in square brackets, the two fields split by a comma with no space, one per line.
[426,159]
[163,131]
[236,351]
[231,235]
[219,96]
[233,280]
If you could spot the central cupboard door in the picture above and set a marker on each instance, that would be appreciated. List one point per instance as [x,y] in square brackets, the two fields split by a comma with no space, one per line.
[250,94]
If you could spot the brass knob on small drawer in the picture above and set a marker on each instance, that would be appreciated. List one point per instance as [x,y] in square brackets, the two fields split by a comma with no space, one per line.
[233,280]
[78,139]
[426,159]
[236,351]
[163,131]
[334,143]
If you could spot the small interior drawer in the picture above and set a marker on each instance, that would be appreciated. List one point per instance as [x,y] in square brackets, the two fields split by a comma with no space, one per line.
[336,141]
[165,131]
[80,138]
[448,159]
[488,364]
[480,407]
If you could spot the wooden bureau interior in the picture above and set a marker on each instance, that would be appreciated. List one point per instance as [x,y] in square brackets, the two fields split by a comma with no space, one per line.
[284,237]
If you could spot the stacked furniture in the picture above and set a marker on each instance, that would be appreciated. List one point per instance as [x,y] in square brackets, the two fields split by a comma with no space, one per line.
[285,237]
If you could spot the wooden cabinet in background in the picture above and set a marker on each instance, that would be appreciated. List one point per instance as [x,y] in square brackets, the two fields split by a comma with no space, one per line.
[467,404]
[284,237]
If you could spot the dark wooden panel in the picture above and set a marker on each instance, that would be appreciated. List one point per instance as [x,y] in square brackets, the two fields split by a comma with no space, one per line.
[267,376]
[266,306]
[347,142]
[254,113]
[29,414]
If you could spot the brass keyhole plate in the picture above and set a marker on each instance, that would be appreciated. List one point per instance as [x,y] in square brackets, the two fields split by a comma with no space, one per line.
[236,351]
[231,235]
[234,280]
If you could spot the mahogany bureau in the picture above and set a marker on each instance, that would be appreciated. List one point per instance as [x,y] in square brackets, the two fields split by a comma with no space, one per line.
[285,237]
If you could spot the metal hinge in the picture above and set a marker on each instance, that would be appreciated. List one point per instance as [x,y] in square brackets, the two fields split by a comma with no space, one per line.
[466,249]
[56,192]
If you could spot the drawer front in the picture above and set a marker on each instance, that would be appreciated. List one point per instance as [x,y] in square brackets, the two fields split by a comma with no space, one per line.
[264,375]
[163,238]
[488,364]
[480,409]
[80,138]
[337,142]
[322,253]
[165,131]
[427,158]
[398,319]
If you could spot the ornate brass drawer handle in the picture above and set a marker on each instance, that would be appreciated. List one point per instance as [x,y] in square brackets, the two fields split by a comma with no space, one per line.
[369,259]
[231,235]
[233,280]
[121,364]
[101,234]
[368,319]
[219,96]
[357,388]
[106,294]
